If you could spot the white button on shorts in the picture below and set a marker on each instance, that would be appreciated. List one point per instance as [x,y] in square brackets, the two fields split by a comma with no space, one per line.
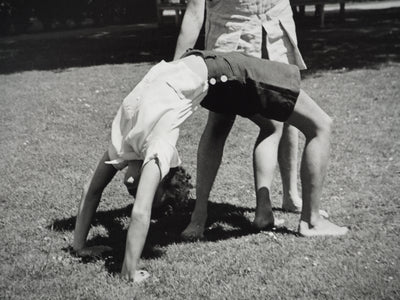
[213,81]
[224,78]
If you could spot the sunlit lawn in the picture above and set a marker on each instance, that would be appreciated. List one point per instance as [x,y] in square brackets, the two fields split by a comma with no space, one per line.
[55,125]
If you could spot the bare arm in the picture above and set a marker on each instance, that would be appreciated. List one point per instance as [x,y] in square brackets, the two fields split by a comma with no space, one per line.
[140,218]
[90,200]
[191,26]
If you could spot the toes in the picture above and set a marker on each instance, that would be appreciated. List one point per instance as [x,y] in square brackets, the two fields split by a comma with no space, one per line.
[191,234]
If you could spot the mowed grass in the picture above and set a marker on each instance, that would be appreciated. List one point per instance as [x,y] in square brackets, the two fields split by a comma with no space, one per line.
[54,127]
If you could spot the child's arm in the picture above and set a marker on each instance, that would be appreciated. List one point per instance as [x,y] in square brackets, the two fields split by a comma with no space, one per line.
[140,218]
[191,26]
[89,202]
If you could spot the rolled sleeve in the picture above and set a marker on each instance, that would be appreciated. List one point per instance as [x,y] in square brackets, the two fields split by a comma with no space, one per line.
[117,162]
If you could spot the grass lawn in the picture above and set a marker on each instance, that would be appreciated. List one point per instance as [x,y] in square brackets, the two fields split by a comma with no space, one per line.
[55,123]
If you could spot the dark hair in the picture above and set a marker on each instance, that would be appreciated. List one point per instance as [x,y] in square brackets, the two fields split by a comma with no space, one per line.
[177,187]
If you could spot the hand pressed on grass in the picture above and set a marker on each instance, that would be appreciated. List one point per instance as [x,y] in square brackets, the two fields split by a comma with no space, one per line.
[140,275]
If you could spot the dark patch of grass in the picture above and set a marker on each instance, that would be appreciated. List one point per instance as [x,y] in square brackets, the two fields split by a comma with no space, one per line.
[364,39]
[226,221]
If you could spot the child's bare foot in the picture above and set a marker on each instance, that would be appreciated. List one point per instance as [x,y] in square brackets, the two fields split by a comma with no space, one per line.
[264,219]
[195,230]
[322,227]
[261,224]
[139,276]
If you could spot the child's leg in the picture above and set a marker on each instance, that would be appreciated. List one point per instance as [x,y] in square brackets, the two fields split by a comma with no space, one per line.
[90,200]
[264,164]
[208,162]
[315,124]
[287,158]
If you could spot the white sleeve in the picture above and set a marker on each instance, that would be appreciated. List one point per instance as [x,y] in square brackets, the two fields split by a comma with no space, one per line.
[164,153]
[116,139]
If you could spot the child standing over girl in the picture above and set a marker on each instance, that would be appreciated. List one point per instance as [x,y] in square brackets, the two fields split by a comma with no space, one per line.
[146,128]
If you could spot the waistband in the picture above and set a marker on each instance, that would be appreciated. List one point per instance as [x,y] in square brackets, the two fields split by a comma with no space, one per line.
[218,66]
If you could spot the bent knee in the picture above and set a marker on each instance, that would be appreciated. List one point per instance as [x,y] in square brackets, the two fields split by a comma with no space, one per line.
[322,128]
[325,125]
[267,127]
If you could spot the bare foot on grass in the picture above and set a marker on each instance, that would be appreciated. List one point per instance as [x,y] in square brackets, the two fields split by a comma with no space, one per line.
[266,225]
[195,230]
[322,227]
[140,275]
[264,220]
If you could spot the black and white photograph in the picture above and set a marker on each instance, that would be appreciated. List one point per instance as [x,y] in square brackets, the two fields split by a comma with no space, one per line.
[200,149]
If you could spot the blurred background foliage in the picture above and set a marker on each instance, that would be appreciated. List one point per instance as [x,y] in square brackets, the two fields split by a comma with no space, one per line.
[20,16]
[17,16]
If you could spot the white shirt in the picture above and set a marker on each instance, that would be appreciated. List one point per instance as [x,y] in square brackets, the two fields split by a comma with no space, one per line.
[147,123]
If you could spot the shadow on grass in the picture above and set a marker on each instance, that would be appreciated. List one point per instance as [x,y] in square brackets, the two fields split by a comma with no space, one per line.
[365,39]
[225,221]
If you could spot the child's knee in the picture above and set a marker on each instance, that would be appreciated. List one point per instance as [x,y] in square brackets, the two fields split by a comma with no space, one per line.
[325,125]
[268,127]
[322,128]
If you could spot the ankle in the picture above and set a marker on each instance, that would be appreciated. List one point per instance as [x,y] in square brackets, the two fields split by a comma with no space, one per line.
[315,218]
[291,197]
[264,212]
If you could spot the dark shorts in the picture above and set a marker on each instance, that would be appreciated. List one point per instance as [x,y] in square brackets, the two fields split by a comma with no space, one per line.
[245,85]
